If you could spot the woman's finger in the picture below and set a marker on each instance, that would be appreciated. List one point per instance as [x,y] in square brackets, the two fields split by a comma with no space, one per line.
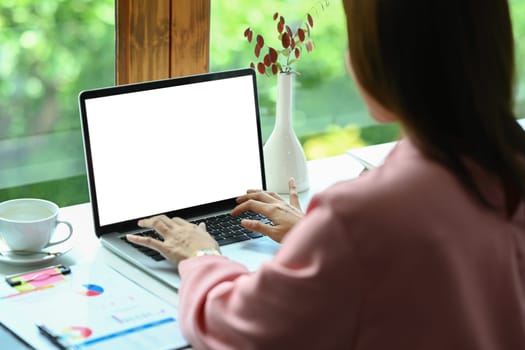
[251,205]
[150,222]
[294,196]
[266,197]
[161,224]
[274,195]
[258,226]
[181,222]
[145,241]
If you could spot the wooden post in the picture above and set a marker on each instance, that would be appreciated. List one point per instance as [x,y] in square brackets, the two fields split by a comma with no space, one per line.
[158,39]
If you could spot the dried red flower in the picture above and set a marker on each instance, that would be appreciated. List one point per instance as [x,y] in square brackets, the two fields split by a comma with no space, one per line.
[301,34]
[261,68]
[291,42]
[273,54]
[310,20]
[286,40]
[297,53]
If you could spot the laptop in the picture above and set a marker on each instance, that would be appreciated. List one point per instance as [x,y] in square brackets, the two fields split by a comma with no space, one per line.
[183,147]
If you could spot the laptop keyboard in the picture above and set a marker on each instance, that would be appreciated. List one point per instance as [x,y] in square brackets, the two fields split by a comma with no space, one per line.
[226,229]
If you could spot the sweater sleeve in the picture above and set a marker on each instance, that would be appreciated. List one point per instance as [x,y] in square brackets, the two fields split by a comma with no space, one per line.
[291,302]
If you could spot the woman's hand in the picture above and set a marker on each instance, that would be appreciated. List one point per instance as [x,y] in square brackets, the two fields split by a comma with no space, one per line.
[283,215]
[182,239]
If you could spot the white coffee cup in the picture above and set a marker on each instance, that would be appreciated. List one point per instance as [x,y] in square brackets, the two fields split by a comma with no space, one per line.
[28,224]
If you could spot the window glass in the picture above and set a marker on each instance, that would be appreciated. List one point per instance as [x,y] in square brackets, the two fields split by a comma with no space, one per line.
[323,92]
[329,116]
[50,50]
[518,21]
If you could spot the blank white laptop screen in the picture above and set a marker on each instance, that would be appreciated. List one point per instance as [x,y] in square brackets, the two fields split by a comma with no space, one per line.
[174,147]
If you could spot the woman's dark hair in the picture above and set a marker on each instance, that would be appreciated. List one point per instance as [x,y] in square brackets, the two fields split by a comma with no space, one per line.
[446,69]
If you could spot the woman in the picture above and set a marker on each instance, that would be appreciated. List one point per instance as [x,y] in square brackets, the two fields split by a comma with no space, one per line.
[425,252]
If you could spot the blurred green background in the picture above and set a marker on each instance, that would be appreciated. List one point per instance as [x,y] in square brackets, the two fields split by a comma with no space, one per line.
[50,50]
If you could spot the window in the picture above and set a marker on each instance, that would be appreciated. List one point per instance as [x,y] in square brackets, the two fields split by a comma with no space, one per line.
[517,8]
[329,116]
[49,51]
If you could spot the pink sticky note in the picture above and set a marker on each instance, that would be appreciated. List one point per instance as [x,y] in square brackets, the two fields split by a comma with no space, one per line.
[40,279]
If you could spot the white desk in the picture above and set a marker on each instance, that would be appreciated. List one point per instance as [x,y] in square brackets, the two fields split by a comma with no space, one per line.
[87,248]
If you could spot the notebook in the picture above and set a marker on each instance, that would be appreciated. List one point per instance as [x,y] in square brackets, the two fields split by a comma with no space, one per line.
[183,147]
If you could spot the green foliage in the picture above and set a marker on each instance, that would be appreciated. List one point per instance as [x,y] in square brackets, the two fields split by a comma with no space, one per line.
[67,191]
[335,141]
[518,23]
[380,133]
[324,94]
[50,50]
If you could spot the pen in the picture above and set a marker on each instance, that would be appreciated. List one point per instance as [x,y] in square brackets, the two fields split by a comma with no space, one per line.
[53,338]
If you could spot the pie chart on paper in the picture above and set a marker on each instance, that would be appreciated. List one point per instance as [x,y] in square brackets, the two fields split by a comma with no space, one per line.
[77,333]
[91,290]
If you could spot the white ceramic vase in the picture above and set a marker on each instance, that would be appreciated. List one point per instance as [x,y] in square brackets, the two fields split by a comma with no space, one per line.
[283,154]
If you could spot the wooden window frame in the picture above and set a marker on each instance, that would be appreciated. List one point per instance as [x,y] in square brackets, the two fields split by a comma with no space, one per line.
[158,39]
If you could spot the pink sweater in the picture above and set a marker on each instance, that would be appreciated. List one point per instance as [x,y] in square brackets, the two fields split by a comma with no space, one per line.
[400,258]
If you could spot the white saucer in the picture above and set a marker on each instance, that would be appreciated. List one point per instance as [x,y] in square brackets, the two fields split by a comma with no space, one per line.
[47,254]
